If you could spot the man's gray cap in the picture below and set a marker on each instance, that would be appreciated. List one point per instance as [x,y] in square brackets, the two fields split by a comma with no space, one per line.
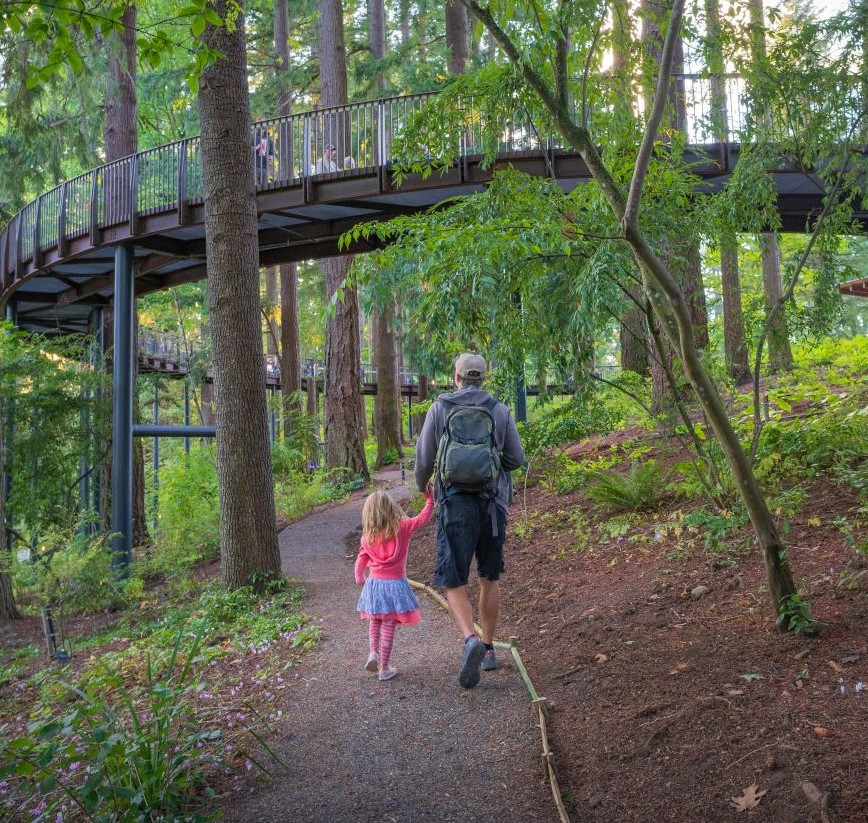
[470,365]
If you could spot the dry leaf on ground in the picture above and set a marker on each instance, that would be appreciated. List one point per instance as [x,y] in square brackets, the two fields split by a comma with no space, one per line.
[749,800]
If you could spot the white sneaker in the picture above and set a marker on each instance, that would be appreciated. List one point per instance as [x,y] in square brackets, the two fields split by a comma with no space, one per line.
[373,663]
[388,673]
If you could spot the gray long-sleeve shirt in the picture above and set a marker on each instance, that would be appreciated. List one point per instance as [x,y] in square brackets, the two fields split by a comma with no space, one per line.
[505,438]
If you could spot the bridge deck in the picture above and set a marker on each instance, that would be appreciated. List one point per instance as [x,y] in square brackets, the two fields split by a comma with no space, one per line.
[57,254]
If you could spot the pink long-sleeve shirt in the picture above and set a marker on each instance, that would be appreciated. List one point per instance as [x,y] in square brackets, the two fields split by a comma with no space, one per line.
[388,558]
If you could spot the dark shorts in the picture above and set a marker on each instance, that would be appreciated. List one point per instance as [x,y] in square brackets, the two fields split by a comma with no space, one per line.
[463,532]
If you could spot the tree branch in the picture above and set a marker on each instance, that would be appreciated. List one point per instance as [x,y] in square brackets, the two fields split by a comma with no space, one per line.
[643,159]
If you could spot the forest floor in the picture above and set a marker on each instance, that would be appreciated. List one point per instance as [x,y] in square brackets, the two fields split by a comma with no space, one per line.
[672,695]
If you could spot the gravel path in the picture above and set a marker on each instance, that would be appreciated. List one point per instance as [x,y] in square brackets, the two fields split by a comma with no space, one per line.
[415,748]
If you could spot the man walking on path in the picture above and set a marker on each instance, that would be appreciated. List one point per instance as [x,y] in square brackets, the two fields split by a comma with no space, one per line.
[473,489]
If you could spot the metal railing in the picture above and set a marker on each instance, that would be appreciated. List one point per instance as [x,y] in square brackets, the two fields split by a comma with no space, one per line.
[323,143]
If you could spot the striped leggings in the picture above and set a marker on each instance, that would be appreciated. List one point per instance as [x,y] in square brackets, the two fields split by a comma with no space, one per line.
[381,635]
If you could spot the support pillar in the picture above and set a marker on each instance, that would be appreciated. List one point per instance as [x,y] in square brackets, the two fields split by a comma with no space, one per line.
[156,450]
[186,413]
[98,363]
[520,400]
[9,433]
[122,412]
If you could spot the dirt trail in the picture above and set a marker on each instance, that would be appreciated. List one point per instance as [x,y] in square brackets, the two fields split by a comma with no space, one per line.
[414,748]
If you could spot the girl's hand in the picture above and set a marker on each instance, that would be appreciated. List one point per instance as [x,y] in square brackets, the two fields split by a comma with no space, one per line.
[429,489]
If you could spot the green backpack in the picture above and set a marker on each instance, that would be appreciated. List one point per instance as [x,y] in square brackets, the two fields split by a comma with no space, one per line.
[467,456]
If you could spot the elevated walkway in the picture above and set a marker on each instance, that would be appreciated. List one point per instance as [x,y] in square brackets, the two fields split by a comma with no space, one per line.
[57,256]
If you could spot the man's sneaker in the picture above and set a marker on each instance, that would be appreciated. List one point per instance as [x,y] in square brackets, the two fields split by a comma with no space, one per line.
[373,663]
[471,660]
[489,662]
[388,673]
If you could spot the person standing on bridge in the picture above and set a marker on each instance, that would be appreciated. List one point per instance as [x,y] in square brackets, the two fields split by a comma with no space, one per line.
[470,444]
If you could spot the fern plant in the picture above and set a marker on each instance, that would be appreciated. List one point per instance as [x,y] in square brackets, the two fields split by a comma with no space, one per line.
[640,488]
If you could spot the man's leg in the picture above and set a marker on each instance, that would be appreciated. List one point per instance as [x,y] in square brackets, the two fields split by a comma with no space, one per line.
[489,608]
[462,611]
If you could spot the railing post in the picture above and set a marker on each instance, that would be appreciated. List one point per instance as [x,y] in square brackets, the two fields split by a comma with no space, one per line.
[37,232]
[19,266]
[94,208]
[381,133]
[4,256]
[62,244]
[182,184]
[134,195]
[305,162]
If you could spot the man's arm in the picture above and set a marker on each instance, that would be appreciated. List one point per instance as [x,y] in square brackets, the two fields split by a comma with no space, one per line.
[513,452]
[426,449]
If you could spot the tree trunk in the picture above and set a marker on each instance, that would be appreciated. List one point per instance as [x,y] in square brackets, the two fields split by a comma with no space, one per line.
[120,136]
[345,448]
[404,12]
[272,332]
[735,349]
[248,534]
[419,417]
[780,353]
[121,140]
[8,610]
[342,402]
[456,37]
[388,402]
[377,37]
[290,355]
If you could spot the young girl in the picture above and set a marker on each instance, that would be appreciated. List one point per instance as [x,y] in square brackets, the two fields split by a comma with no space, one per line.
[387,598]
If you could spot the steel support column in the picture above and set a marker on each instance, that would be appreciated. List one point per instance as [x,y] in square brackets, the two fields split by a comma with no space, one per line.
[520,400]
[187,412]
[98,362]
[156,455]
[122,412]
[8,433]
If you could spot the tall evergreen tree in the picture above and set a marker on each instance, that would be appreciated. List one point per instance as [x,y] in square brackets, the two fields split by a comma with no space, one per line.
[735,348]
[343,414]
[780,353]
[248,534]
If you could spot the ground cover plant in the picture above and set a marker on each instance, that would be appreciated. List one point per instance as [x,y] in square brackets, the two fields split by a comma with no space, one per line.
[160,706]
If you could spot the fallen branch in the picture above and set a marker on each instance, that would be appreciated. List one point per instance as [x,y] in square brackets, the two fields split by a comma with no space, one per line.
[538,702]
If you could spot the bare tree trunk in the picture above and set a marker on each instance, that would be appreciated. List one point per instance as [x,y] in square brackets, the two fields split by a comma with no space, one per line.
[388,402]
[345,448]
[456,37]
[419,417]
[342,403]
[121,140]
[735,349]
[377,37]
[780,353]
[8,610]
[248,534]
[404,11]
[272,333]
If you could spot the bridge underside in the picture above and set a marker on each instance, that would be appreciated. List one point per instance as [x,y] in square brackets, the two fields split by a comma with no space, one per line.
[56,292]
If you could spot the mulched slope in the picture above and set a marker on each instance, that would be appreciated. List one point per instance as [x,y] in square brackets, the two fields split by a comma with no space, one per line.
[652,717]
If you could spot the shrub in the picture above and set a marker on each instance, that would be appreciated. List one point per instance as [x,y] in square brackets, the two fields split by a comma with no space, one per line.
[189,515]
[639,488]
[141,755]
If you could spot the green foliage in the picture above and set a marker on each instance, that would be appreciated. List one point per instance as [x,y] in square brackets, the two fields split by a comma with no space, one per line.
[67,569]
[794,614]
[639,488]
[119,752]
[189,526]
[297,494]
[714,527]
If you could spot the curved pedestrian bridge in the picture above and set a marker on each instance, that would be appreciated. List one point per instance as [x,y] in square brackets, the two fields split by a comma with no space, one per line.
[317,175]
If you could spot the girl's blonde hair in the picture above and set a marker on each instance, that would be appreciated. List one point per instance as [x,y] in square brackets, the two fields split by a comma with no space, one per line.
[381,517]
